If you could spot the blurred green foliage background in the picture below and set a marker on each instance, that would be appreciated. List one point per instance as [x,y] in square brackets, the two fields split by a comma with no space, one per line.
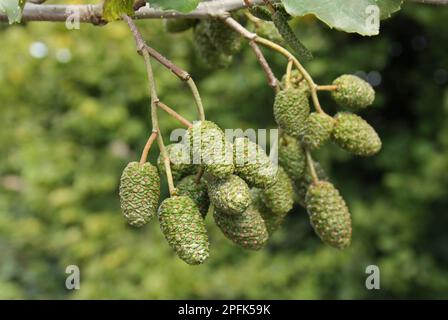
[74,111]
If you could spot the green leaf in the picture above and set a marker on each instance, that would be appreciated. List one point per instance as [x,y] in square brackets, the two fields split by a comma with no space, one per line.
[13,9]
[114,9]
[178,5]
[346,15]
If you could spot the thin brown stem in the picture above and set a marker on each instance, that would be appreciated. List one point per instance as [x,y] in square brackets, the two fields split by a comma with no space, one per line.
[148,145]
[199,175]
[329,87]
[141,48]
[173,113]
[272,80]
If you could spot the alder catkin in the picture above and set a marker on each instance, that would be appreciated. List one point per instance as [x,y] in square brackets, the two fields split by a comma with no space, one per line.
[353,92]
[247,229]
[206,50]
[225,39]
[139,193]
[329,214]
[317,130]
[279,198]
[291,156]
[197,191]
[291,110]
[354,134]
[253,164]
[230,195]
[184,229]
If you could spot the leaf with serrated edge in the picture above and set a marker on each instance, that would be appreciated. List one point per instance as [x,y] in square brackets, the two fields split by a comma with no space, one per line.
[344,15]
[177,5]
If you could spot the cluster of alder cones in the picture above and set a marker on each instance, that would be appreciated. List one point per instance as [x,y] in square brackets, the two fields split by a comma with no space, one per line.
[236,182]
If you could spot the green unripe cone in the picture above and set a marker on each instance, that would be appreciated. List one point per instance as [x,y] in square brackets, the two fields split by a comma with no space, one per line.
[247,230]
[317,130]
[291,109]
[291,156]
[297,81]
[184,229]
[178,25]
[139,193]
[329,214]
[196,191]
[230,195]
[225,39]
[206,50]
[353,92]
[273,221]
[302,185]
[279,198]
[180,162]
[210,148]
[252,164]
[354,134]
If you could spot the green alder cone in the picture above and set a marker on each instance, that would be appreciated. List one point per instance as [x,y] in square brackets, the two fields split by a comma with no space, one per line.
[178,25]
[273,221]
[230,195]
[329,214]
[279,198]
[179,160]
[291,156]
[291,110]
[253,164]
[196,191]
[225,39]
[184,229]
[297,81]
[280,19]
[302,185]
[247,230]
[139,193]
[353,92]
[206,50]
[268,30]
[210,148]
[354,134]
[317,130]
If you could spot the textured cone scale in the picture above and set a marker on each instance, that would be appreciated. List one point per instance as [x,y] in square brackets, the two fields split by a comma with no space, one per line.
[178,25]
[354,134]
[329,214]
[210,148]
[206,50]
[230,195]
[196,191]
[353,92]
[302,185]
[247,230]
[252,164]
[180,162]
[184,229]
[291,156]
[139,193]
[279,198]
[225,39]
[273,221]
[317,130]
[297,81]
[291,109]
